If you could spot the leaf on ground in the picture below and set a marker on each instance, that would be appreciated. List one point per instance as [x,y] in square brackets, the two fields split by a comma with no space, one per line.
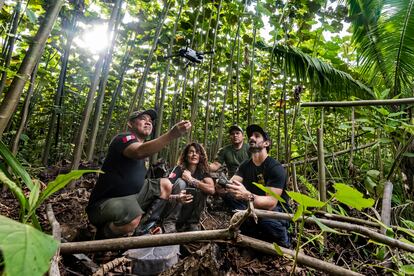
[407,269]
[26,251]
[352,197]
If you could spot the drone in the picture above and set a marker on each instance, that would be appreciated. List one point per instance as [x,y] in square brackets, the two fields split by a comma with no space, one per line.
[193,57]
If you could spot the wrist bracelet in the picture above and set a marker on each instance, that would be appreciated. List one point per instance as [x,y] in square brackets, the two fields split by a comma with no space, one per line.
[251,197]
[194,183]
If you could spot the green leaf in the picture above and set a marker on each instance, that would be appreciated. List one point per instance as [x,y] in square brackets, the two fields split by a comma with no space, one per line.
[60,182]
[352,197]
[407,269]
[277,249]
[325,228]
[31,15]
[268,191]
[298,213]
[34,195]
[15,165]
[26,251]
[15,190]
[409,154]
[305,200]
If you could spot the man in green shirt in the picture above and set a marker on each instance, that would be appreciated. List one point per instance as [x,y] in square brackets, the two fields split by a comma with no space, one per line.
[232,155]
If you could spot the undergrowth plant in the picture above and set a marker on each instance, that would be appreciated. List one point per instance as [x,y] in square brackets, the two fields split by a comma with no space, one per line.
[26,249]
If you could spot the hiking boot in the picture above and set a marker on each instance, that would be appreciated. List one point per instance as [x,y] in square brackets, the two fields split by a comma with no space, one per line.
[151,217]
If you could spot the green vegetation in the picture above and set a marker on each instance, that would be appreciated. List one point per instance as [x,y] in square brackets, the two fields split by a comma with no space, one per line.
[61,99]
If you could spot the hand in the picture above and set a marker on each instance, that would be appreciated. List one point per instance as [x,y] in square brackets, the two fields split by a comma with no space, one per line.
[185,198]
[180,129]
[187,176]
[238,190]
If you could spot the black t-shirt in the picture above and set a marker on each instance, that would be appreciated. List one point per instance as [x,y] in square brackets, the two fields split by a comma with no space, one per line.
[270,174]
[177,172]
[122,176]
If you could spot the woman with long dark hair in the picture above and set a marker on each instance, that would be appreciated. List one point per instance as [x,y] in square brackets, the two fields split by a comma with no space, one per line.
[192,175]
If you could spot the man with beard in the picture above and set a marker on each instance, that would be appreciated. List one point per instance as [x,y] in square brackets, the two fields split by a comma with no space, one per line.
[232,155]
[262,169]
[122,194]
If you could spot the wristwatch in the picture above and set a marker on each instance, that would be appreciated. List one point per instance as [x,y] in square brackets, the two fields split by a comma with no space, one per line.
[251,197]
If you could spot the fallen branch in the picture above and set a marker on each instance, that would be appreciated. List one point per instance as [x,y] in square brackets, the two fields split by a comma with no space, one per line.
[57,235]
[302,259]
[143,241]
[110,266]
[188,237]
[344,226]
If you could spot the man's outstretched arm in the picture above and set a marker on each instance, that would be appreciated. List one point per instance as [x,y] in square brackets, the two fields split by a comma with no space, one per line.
[143,150]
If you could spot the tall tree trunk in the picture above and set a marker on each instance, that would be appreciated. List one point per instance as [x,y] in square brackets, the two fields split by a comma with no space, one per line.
[24,115]
[11,100]
[10,44]
[113,25]
[115,95]
[56,110]
[160,117]
[141,84]
[207,118]
[250,116]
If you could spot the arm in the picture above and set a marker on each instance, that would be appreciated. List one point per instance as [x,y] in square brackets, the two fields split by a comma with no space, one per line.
[241,193]
[145,149]
[214,166]
[206,185]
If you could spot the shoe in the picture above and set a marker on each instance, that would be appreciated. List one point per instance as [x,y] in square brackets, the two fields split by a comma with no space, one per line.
[151,217]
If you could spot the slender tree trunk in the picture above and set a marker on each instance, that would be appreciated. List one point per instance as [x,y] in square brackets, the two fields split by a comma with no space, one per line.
[141,84]
[237,117]
[250,117]
[160,117]
[230,77]
[10,44]
[210,76]
[321,164]
[24,116]
[55,117]
[115,95]
[269,86]
[112,28]
[11,100]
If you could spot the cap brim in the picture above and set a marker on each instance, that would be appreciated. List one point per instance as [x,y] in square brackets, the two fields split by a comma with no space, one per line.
[152,113]
[235,128]
[254,128]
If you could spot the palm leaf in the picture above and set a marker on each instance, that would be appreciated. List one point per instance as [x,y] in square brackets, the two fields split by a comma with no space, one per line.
[319,74]
[383,32]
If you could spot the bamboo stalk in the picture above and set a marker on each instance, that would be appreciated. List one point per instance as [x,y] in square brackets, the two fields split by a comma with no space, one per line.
[359,103]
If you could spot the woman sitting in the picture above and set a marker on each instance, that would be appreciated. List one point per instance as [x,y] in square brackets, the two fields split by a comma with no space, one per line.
[191,174]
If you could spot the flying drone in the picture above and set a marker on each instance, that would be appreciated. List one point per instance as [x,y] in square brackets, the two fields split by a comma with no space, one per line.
[193,57]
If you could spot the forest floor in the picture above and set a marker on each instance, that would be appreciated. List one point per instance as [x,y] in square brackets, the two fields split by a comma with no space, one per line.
[225,259]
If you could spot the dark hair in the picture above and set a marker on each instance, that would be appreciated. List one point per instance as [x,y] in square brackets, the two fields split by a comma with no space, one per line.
[202,165]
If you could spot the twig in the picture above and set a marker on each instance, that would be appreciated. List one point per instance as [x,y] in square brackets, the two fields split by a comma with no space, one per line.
[344,226]
[331,154]
[110,266]
[57,234]
[301,258]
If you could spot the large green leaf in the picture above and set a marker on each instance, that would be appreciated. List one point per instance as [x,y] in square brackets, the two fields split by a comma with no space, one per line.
[352,197]
[61,181]
[15,190]
[305,200]
[15,165]
[268,191]
[26,251]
